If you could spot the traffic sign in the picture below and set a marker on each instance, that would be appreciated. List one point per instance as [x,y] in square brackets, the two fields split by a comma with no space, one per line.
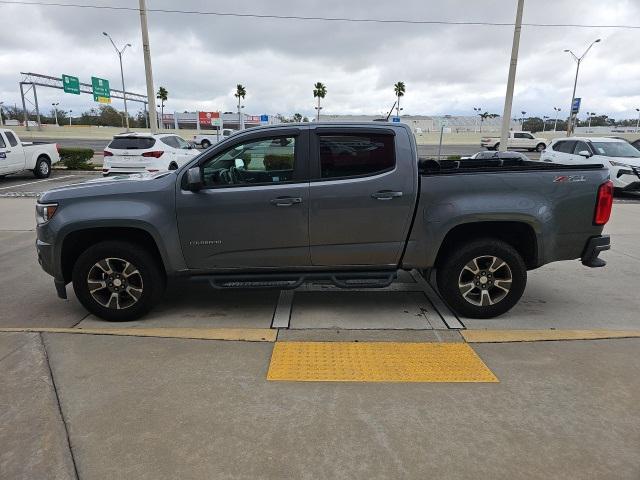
[264,119]
[395,119]
[70,84]
[575,108]
[101,90]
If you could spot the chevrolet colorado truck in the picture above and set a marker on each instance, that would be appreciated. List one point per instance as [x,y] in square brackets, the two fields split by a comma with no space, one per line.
[17,156]
[521,140]
[274,206]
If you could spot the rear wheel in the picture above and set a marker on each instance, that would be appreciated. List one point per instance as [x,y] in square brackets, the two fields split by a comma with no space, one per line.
[118,281]
[173,166]
[496,146]
[43,167]
[540,147]
[205,144]
[482,279]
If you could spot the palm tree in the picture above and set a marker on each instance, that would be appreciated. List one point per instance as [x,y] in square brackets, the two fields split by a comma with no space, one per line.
[484,116]
[319,91]
[162,95]
[399,88]
[240,94]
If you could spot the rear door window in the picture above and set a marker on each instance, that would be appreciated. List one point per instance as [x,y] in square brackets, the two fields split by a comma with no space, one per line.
[132,143]
[354,155]
[565,146]
[170,141]
[579,147]
[12,139]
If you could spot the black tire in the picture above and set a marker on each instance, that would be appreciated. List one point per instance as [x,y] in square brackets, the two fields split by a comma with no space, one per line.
[496,146]
[150,280]
[540,147]
[454,272]
[43,167]
[173,166]
[205,144]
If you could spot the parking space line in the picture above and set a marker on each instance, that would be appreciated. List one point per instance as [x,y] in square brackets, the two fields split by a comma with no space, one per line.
[237,334]
[377,362]
[37,181]
[502,336]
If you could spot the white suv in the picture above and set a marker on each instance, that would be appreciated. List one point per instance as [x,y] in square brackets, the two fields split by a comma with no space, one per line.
[142,152]
[619,155]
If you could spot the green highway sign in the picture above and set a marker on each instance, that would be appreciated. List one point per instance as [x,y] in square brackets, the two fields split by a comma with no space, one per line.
[101,91]
[70,84]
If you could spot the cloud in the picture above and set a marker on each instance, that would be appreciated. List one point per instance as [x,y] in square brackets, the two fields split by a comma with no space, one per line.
[447,69]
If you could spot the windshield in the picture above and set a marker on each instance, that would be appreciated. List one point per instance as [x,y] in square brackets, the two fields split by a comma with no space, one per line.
[615,149]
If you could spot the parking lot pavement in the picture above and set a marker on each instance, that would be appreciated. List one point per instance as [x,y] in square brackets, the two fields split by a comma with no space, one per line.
[25,185]
[166,408]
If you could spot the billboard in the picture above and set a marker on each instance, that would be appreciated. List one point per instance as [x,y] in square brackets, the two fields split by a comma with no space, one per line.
[209,118]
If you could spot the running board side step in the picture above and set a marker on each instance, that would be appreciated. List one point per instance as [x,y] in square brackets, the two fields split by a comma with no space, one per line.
[372,279]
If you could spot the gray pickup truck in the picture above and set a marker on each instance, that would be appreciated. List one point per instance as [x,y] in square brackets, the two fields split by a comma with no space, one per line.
[350,203]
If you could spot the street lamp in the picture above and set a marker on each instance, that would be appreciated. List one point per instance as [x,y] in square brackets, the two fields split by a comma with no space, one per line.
[522,120]
[637,123]
[70,111]
[590,115]
[124,93]
[55,112]
[557,109]
[570,125]
[544,123]
[2,121]
[477,111]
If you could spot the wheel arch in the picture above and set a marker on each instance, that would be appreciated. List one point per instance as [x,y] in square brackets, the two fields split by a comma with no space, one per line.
[520,235]
[78,241]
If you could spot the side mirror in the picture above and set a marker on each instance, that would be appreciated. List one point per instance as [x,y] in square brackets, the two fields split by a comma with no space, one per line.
[584,153]
[194,179]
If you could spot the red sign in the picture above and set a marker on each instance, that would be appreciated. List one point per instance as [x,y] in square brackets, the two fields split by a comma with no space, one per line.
[208,118]
[252,118]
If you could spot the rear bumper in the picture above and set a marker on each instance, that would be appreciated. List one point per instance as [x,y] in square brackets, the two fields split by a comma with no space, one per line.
[594,246]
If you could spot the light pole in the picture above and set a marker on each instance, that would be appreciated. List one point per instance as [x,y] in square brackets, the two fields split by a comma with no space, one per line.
[2,121]
[522,120]
[570,125]
[55,112]
[555,124]
[477,111]
[637,123]
[70,111]
[590,114]
[544,123]
[124,92]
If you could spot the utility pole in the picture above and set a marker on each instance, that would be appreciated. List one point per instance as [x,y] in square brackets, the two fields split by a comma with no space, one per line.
[2,121]
[70,111]
[637,123]
[506,114]
[151,98]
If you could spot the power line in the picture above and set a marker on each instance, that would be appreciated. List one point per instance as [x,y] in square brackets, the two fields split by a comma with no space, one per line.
[320,19]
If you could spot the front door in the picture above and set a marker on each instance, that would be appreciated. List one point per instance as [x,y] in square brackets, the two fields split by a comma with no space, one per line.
[361,198]
[253,209]
[13,152]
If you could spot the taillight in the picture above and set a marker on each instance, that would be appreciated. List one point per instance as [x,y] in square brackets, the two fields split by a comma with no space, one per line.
[107,153]
[155,154]
[58,148]
[604,203]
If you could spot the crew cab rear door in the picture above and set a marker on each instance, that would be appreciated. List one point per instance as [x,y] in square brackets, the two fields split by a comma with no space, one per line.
[253,209]
[362,195]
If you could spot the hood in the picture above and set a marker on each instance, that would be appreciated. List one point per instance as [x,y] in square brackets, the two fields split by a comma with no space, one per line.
[116,185]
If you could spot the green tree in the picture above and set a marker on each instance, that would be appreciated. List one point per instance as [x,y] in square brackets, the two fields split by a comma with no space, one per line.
[319,92]
[241,92]
[162,95]
[399,89]
[484,116]
[297,117]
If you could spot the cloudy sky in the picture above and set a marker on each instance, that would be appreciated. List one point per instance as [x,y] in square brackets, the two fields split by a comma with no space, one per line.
[448,69]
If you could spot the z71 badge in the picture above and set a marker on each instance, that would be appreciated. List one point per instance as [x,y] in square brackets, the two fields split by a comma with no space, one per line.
[569,178]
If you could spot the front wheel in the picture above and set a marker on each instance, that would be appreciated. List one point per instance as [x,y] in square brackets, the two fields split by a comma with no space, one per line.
[118,281]
[482,279]
[205,144]
[43,168]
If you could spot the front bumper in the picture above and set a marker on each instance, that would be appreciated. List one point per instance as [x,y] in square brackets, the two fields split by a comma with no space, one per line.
[627,179]
[594,246]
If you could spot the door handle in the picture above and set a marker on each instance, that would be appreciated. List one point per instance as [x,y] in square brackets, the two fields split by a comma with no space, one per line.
[386,195]
[285,201]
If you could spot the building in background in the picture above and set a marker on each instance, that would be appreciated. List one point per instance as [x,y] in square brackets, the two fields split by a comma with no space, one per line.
[213,120]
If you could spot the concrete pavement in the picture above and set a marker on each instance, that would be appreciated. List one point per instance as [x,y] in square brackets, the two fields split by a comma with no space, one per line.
[166,408]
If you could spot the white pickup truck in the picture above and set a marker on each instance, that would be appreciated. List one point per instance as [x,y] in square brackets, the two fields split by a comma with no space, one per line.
[523,140]
[16,156]
[205,140]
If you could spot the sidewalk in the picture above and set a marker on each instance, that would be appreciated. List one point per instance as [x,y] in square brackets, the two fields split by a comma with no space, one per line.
[166,408]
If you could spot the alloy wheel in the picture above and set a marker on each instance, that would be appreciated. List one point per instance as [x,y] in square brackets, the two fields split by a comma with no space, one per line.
[485,280]
[115,283]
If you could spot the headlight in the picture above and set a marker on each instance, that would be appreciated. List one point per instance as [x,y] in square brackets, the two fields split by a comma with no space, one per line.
[45,211]
[618,164]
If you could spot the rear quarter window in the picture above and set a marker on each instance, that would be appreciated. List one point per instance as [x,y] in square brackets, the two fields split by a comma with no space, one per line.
[132,143]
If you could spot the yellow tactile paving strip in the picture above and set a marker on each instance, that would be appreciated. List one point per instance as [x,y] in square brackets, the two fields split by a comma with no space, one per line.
[237,334]
[377,362]
[499,336]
